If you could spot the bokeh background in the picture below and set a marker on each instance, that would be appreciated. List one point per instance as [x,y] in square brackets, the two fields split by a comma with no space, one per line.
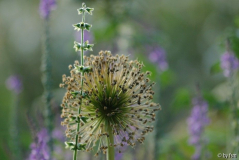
[191,33]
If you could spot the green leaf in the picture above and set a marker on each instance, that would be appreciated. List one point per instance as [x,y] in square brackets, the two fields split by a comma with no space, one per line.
[70,145]
[85,9]
[87,69]
[75,93]
[82,26]
[89,10]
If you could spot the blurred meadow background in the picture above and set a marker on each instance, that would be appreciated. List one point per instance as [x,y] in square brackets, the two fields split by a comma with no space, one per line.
[180,42]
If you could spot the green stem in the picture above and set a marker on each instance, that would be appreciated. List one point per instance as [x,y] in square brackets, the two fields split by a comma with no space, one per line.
[46,80]
[82,74]
[111,149]
[234,113]
[14,130]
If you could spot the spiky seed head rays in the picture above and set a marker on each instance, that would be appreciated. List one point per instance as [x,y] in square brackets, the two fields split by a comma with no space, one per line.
[116,94]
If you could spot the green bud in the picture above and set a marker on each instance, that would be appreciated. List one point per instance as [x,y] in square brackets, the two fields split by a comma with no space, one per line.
[77,46]
[84,119]
[75,93]
[81,10]
[84,9]
[87,26]
[85,46]
[83,5]
[88,46]
[81,26]
[89,10]
[87,69]
[81,146]
[70,144]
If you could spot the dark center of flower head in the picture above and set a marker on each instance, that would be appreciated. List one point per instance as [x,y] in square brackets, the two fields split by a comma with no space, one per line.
[116,94]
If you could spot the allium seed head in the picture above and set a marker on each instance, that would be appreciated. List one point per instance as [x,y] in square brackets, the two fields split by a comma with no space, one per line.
[116,94]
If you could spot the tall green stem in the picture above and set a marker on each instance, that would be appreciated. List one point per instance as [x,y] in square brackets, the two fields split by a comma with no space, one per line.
[14,141]
[234,113]
[82,74]
[111,149]
[46,80]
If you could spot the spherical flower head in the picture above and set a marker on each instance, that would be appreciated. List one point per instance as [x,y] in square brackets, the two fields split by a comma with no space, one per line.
[158,56]
[39,148]
[14,83]
[117,96]
[229,63]
[45,8]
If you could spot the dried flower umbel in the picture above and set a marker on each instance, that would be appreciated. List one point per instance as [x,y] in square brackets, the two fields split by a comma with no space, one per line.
[117,100]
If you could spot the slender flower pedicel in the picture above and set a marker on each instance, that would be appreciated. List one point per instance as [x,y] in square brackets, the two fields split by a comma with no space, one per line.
[108,103]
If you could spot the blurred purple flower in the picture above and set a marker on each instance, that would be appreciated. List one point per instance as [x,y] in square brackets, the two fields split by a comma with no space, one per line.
[118,156]
[58,134]
[229,63]
[45,8]
[87,36]
[158,56]
[196,123]
[14,83]
[39,148]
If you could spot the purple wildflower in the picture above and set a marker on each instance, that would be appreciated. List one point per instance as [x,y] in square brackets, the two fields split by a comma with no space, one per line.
[158,56]
[57,134]
[14,83]
[39,148]
[229,63]
[45,8]
[197,122]
[118,156]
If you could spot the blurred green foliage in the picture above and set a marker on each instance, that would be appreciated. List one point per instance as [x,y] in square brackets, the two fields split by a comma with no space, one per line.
[193,34]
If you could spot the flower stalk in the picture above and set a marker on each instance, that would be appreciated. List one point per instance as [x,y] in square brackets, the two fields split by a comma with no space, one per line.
[230,65]
[82,74]
[47,84]
[234,114]
[81,46]
[15,85]
[45,8]
[111,149]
